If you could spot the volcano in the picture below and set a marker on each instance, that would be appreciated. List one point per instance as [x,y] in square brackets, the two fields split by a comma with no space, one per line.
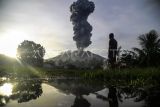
[75,60]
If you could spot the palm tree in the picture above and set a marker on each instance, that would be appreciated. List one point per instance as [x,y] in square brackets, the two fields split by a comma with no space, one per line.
[149,54]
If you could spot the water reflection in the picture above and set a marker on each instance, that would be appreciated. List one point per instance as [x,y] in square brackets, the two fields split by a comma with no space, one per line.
[6,89]
[21,91]
[115,95]
[153,97]
[81,102]
[5,92]
[78,88]
[27,90]
[3,100]
[112,97]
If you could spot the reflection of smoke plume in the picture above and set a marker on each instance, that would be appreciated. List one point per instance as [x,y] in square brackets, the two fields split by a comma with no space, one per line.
[82,29]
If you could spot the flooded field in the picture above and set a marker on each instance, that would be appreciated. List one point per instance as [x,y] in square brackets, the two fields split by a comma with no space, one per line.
[71,93]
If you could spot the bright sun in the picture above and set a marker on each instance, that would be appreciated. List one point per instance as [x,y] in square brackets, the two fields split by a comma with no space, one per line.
[10,41]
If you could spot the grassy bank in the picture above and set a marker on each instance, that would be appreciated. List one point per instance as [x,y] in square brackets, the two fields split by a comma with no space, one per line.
[139,77]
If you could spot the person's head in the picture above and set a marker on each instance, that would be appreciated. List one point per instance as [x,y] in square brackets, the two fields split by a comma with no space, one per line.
[111,35]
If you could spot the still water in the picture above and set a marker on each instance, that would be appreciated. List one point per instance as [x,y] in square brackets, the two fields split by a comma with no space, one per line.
[68,93]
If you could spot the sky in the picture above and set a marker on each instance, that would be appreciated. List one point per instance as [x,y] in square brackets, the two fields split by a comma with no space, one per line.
[47,22]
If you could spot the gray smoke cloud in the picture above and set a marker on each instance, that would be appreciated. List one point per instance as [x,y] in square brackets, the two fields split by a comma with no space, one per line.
[155,6]
[80,10]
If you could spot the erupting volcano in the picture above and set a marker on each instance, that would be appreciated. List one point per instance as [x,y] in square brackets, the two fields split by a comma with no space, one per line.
[80,59]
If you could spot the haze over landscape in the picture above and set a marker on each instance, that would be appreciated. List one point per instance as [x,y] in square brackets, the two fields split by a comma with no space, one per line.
[48,22]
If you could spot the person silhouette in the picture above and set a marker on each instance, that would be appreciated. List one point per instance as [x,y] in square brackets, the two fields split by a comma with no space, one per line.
[112,95]
[112,51]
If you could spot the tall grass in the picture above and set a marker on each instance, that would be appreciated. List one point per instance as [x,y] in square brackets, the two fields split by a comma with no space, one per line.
[135,76]
[138,77]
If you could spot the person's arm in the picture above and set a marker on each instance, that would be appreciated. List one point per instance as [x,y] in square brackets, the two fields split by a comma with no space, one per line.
[116,45]
[109,47]
[109,44]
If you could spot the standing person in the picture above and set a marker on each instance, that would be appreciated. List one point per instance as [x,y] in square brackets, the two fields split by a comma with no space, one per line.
[112,51]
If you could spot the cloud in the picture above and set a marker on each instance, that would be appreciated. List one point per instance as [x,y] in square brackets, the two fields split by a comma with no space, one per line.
[153,7]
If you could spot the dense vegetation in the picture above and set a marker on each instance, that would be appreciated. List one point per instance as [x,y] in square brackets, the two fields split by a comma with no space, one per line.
[149,54]
[31,53]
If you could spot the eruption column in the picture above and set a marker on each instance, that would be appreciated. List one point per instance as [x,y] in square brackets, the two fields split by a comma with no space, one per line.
[80,10]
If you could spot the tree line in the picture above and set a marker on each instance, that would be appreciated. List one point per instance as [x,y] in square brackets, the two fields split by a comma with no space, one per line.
[147,55]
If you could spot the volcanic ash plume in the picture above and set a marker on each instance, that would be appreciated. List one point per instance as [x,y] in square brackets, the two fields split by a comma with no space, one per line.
[80,10]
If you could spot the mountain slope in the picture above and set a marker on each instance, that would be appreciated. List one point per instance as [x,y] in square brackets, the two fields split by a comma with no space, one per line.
[76,59]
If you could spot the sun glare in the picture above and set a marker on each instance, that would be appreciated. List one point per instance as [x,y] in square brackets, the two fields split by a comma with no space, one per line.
[6,89]
[9,42]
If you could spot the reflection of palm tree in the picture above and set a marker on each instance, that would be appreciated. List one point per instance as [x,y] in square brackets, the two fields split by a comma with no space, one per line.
[150,48]
[80,102]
